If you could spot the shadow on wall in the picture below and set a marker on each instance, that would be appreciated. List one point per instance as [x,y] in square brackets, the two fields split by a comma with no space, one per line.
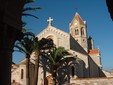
[73,69]
[94,69]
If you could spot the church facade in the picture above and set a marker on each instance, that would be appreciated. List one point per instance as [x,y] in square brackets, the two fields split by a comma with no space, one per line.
[76,42]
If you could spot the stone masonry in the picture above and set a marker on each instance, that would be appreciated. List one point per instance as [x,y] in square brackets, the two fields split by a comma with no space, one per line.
[92,81]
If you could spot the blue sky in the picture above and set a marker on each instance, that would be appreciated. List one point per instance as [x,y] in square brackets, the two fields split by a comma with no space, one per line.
[94,12]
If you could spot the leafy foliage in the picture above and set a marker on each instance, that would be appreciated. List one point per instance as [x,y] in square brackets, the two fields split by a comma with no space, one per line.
[56,60]
[26,43]
[56,55]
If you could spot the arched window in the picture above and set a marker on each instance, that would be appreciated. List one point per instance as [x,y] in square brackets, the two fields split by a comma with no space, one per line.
[22,73]
[82,31]
[76,32]
[73,71]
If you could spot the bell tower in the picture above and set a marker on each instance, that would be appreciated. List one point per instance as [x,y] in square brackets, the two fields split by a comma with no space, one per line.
[78,31]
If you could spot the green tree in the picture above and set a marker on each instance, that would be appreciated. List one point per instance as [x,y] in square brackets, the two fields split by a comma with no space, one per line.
[27,50]
[40,45]
[26,46]
[56,58]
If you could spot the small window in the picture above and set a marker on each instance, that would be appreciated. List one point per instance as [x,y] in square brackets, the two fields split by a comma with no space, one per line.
[76,32]
[22,73]
[82,31]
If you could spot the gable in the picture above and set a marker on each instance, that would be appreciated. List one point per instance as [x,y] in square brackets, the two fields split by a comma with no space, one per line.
[59,37]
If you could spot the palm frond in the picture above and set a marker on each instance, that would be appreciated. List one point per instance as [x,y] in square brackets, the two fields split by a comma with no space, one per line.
[52,60]
[33,8]
[26,14]
[59,54]
[29,1]
[23,30]
[23,23]
[29,34]
[20,49]
[26,45]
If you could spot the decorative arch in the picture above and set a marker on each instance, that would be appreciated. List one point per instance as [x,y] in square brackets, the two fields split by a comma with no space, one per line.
[52,37]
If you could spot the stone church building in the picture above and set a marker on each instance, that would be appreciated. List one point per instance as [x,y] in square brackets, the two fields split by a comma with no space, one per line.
[76,42]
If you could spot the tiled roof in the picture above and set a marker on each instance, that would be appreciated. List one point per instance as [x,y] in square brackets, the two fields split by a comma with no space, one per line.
[94,51]
[79,19]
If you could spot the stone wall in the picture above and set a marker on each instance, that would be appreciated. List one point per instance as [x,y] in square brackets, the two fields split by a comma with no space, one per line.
[92,81]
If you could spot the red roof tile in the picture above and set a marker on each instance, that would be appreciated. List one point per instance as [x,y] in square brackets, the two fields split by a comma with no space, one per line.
[94,51]
[78,18]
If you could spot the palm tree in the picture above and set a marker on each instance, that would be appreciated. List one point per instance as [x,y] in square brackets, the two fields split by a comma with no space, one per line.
[26,46]
[40,45]
[27,9]
[37,46]
[56,59]
[31,8]
[30,48]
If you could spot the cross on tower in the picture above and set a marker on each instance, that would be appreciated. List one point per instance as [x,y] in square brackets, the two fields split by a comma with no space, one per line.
[50,20]
[76,9]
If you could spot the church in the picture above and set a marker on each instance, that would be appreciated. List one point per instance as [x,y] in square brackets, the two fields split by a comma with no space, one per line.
[76,42]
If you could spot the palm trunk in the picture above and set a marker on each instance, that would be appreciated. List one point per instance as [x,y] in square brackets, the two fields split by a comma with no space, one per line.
[54,78]
[36,68]
[36,72]
[27,69]
[54,74]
